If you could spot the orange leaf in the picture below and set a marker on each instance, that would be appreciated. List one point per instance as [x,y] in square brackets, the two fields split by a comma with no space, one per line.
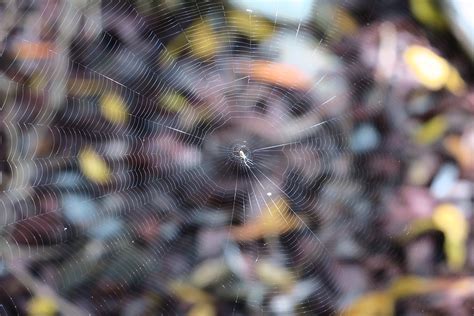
[34,50]
[280,74]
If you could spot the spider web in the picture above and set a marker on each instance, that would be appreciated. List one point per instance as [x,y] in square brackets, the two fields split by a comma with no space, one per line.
[217,178]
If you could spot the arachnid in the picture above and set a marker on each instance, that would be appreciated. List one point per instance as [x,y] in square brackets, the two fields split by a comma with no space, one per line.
[247,162]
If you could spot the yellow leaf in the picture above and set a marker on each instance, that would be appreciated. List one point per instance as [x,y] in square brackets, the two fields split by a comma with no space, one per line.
[113,108]
[430,70]
[203,40]
[373,304]
[428,13]
[42,306]
[253,27]
[455,84]
[276,219]
[410,285]
[456,253]
[273,275]
[202,309]
[189,294]
[93,166]
[210,271]
[174,102]
[416,228]
[431,131]
[344,22]
[199,37]
[462,153]
[451,221]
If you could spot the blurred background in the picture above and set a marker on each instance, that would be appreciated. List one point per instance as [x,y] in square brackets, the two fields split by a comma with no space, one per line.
[236,157]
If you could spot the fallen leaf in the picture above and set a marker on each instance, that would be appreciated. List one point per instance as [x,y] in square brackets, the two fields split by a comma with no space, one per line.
[451,221]
[34,50]
[374,304]
[431,131]
[202,309]
[253,27]
[280,74]
[42,306]
[274,275]
[188,293]
[93,166]
[113,108]
[276,219]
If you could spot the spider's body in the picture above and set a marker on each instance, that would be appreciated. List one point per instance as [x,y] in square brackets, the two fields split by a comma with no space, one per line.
[246,160]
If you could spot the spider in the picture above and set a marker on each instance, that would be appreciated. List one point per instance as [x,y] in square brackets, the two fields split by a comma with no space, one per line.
[247,161]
